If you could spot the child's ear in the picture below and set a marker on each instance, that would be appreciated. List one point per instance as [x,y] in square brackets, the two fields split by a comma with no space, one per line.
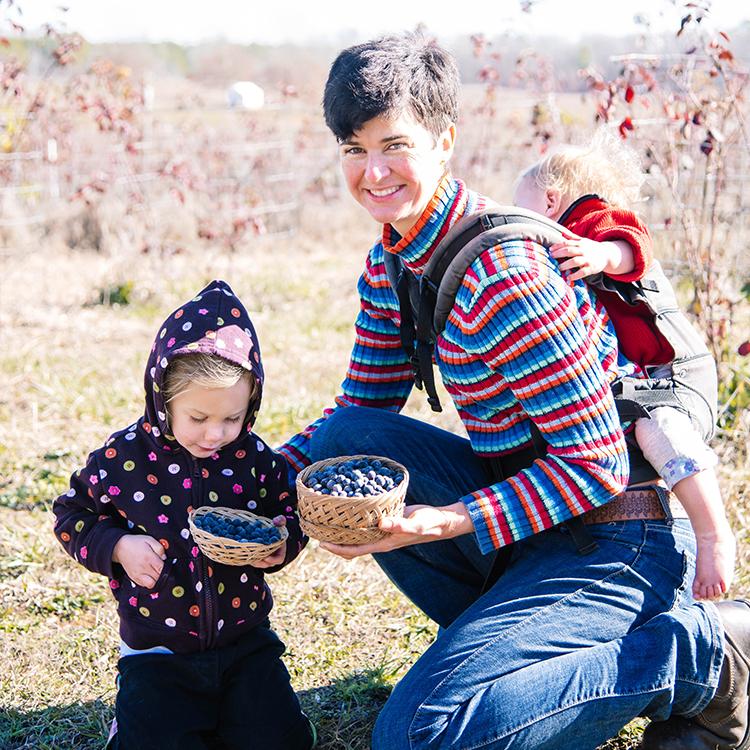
[553,202]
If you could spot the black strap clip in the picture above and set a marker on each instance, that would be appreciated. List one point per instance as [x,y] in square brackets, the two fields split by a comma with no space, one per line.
[581,536]
[414,360]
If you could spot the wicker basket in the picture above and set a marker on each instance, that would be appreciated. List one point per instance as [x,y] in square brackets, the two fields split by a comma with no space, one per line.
[348,520]
[230,551]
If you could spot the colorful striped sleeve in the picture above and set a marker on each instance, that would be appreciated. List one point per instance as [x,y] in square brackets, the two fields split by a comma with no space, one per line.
[379,373]
[523,325]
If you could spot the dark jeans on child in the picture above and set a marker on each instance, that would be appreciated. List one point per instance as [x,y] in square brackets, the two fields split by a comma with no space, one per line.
[238,697]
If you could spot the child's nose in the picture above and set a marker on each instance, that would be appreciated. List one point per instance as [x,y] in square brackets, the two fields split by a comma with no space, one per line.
[214,432]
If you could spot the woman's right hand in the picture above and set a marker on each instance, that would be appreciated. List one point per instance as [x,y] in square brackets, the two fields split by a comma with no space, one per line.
[141,556]
[419,524]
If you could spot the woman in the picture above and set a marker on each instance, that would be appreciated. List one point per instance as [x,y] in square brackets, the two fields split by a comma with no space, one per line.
[563,649]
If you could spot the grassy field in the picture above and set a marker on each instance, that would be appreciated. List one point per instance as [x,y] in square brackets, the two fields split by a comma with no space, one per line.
[71,370]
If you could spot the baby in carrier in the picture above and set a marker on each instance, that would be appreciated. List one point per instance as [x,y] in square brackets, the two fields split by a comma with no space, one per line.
[586,189]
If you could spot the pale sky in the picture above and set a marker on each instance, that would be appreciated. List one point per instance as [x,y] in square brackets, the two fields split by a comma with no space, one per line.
[332,21]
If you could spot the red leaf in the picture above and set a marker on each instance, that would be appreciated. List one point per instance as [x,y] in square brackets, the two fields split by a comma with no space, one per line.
[744,348]
[629,94]
[625,125]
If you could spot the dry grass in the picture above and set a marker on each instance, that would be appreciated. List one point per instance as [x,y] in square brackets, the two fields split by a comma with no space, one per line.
[72,372]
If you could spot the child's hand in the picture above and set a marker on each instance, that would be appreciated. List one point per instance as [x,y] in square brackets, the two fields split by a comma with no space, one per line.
[588,257]
[584,257]
[141,556]
[278,555]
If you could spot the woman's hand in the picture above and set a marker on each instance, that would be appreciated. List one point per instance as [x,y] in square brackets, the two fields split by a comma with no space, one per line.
[142,557]
[419,524]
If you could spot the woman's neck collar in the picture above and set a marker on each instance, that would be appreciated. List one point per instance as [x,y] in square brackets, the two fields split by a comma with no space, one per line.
[416,244]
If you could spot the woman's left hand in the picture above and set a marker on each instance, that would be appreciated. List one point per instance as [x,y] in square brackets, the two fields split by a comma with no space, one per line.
[419,524]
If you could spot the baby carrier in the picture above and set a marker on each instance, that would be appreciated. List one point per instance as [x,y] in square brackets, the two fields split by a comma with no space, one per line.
[425,304]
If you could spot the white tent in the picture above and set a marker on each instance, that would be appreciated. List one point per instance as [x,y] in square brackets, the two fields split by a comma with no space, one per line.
[245,95]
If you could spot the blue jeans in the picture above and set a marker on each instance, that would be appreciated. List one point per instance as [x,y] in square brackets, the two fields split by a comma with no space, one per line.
[564,649]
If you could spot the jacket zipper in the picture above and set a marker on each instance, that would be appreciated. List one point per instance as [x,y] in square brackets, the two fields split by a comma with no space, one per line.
[208,609]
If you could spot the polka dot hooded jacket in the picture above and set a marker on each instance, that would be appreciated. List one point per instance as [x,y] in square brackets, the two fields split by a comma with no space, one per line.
[143,482]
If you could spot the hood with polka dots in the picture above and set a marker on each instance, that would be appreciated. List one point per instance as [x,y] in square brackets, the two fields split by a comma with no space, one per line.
[142,482]
[212,322]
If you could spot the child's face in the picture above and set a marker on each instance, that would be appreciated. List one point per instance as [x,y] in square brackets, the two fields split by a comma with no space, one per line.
[203,420]
[529,195]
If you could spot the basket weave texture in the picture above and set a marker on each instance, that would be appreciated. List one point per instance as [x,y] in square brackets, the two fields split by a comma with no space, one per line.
[230,551]
[348,520]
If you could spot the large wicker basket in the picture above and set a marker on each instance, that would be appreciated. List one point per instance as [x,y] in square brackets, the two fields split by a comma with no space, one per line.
[348,520]
[230,551]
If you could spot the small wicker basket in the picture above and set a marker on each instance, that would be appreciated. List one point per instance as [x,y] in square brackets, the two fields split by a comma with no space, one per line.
[348,520]
[229,551]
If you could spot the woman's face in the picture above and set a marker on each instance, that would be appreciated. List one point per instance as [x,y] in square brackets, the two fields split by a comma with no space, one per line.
[392,167]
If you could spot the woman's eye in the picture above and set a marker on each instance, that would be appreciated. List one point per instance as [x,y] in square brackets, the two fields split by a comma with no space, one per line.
[233,419]
[353,151]
[397,146]
[198,420]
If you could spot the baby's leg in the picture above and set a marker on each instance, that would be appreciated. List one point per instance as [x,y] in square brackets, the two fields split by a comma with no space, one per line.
[675,449]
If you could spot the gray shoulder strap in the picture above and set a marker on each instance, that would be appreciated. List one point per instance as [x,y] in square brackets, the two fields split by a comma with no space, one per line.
[495,226]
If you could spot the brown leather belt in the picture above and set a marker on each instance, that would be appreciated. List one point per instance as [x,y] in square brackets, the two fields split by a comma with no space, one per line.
[641,503]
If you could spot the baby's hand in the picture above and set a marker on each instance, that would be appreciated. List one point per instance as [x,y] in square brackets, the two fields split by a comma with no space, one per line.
[141,556]
[278,555]
[584,257]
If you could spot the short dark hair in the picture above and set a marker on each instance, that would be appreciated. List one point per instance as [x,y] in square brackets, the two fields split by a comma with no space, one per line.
[387,76]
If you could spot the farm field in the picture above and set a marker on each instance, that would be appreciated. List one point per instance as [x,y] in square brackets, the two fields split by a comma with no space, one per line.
[72,372]
[105,230]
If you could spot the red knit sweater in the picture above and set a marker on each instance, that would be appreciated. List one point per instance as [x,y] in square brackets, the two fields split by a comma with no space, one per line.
[639,338]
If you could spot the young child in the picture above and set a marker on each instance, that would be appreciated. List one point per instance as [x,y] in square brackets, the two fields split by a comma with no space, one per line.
[199,663]
[586,189]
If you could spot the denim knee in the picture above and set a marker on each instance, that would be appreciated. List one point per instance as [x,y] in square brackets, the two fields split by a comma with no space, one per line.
[391,731]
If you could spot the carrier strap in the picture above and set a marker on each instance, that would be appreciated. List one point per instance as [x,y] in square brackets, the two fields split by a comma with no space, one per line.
[407,329]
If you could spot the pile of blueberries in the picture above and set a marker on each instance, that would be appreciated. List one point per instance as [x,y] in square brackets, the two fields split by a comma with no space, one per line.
[359,477]
[238,529]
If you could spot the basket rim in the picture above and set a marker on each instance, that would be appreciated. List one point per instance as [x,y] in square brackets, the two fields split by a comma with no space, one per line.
[380,498]
[207,536]
[341,459]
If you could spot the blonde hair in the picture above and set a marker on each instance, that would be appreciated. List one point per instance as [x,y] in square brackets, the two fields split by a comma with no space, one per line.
[606,166]
[206,371]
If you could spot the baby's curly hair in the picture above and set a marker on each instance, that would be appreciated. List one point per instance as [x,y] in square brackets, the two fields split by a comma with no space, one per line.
[606,167]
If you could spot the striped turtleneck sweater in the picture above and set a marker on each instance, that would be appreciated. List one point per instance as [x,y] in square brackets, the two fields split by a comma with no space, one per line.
[521,344]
